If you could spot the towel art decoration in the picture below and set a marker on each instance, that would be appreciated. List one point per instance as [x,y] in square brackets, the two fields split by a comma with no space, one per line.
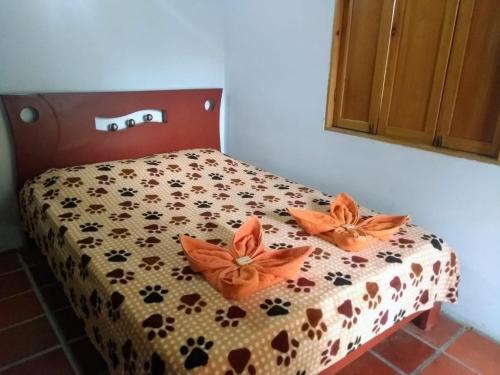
[343,226]
[246,266]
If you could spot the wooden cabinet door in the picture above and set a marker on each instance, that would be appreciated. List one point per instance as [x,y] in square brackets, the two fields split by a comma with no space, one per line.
[361,39]
[470,112]
[420,44]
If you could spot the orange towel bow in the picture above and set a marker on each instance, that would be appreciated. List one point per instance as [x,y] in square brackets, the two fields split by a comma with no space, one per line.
[245,267]
[343,226]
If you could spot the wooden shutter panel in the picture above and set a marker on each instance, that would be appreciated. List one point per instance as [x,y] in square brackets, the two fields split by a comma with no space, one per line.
[470,112]
[418,56]
[355,86]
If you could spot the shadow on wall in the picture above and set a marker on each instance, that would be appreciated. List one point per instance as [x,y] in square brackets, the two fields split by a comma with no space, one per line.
[10,234]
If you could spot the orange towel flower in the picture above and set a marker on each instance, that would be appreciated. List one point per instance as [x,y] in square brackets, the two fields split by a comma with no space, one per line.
[343,226]
[246,266]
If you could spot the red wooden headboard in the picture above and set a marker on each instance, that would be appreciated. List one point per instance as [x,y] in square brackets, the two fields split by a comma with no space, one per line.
[65,134]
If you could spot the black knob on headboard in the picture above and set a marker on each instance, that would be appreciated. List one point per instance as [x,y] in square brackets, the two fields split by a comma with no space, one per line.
[130,122]
[148,117]
[113,127]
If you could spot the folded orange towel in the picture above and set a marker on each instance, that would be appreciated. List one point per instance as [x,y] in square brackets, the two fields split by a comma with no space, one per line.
[245,267]
[344,228]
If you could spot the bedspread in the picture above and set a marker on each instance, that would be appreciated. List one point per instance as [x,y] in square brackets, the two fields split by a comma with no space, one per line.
[111,234]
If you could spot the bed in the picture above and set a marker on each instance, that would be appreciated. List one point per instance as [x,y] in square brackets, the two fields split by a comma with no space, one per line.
[110,231]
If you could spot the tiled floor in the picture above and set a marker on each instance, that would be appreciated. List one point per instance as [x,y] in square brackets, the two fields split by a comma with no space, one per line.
[40,334]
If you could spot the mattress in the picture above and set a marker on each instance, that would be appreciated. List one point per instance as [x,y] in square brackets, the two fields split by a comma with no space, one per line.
[111,234]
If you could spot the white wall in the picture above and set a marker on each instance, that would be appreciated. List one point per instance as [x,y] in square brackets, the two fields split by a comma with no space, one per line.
[102,45]
[277,58]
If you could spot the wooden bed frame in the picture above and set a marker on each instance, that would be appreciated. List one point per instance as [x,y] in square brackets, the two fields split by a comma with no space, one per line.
[64,134]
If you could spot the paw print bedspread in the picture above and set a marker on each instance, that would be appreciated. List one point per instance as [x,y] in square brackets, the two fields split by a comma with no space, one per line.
[111,234]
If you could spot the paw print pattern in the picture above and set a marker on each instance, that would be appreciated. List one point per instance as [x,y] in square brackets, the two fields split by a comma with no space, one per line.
[117,255]
[355,261]
[231,317]
[383,317]
[332,349]
[246,194]
[113,305]
[239,360]
[95,209]
[179,195]
[128,205]
[314,327]
[119,217]
[353,345]
[119,233]
[287,348]
[70,202]
[147,242]
[90,227]
[451,265]
[398,287]
[191,303]
[399,316]
[299,235]
[281,187]
[97,192]
[207,215]
[234,223]
[280,245]
[179,220]
[275,307]
[95,303]
[435,241]
[195,352]
[155,172]
[421,299]
[158,326]
[269,229]
[339,279]
[130,357]
[349,312]
[153,294]
[281,212]
[155,365]
[319,254]
[105,180]
[155,228]
[416,275]
[306,266]
[127,192]
[301,284]
[185,273]
[206,227]
[216,176]
[151,183]
[390,257]
[151,263]
[89,243]
[151,198]
[175,206]
[436,272]
[176,183]
[372,296]
[402,243]
[152,215]
[119,275]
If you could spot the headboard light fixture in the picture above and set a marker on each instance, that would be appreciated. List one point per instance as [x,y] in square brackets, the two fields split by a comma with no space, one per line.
[131,120]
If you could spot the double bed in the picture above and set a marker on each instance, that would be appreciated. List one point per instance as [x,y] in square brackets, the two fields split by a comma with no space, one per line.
[110,231]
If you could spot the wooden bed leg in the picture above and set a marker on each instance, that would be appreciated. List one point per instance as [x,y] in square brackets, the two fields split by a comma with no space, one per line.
[428,319]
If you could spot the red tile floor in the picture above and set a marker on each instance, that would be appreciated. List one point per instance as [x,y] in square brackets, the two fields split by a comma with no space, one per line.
[39,334]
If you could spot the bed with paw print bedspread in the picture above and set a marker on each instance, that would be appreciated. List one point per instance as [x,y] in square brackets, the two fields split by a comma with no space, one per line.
[111,232]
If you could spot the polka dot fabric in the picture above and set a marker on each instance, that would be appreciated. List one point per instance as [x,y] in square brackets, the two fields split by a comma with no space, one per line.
[111,234]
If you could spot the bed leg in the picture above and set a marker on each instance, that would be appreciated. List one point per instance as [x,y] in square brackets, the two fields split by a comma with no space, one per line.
[429,318]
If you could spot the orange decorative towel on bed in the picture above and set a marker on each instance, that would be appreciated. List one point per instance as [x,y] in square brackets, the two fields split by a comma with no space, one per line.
[246,266]
[344,228]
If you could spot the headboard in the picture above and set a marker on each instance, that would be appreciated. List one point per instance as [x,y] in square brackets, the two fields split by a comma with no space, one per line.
[60,130]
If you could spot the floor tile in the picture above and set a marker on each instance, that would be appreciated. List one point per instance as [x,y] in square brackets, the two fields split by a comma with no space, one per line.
[13,283]
[440,334]
[478,352]
[53,363]
[404,351]
[54,296]
[71,326]
[25,340]
[87,357]
[42,274]
[445,365]
[367,364]
[18,308]
[8,262]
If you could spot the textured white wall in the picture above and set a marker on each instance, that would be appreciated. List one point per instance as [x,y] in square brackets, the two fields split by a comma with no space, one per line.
[277,60]
[102,45]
